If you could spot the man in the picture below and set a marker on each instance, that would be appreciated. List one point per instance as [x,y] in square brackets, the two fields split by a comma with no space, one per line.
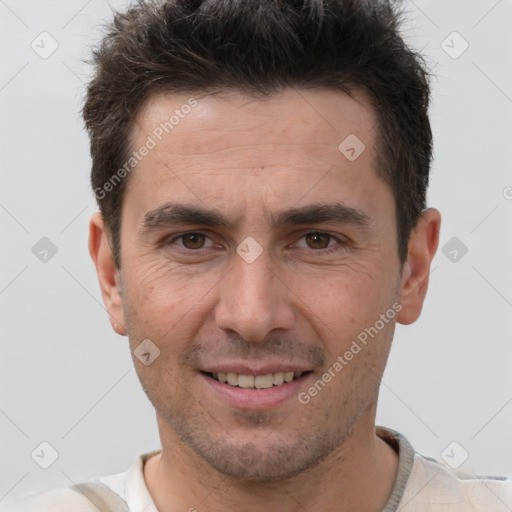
[261,171]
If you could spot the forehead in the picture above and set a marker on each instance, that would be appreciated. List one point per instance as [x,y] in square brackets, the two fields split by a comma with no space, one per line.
[261,152]
[298,117]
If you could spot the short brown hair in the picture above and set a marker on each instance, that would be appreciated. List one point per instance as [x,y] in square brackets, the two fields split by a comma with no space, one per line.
[261,47]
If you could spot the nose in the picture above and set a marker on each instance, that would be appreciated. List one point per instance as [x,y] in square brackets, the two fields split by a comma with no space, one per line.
[254,300]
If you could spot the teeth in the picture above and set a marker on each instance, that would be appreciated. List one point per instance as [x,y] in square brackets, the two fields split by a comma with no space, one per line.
[278,378]
[246,381]
[258,382]
[288,376]
[262,381]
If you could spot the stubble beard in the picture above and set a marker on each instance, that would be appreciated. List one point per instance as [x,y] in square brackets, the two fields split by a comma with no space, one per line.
[283,457]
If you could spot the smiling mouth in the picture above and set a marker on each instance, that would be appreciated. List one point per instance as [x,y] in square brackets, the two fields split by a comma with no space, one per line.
[256,382]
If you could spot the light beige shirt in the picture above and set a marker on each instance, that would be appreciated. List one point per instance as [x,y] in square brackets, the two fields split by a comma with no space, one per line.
[422,485]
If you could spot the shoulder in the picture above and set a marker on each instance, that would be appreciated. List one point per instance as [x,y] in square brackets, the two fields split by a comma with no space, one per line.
[60,499]
[107,493]
[433,486]
[424,484]
[97,495]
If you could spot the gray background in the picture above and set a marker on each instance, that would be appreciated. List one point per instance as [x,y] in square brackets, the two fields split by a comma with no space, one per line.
[67,379]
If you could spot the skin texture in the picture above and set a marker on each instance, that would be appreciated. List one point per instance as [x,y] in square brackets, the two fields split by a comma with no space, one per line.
[296,304]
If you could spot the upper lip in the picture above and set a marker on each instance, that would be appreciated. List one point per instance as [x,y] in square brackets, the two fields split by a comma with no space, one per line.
[244,369]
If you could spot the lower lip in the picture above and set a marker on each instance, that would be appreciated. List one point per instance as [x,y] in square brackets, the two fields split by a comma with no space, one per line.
[256,399]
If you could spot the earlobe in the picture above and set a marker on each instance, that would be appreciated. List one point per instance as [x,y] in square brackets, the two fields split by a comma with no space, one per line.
[108,274]
[422,248]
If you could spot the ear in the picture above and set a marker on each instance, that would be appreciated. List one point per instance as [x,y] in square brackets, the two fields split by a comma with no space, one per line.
[108,274]
[415,273]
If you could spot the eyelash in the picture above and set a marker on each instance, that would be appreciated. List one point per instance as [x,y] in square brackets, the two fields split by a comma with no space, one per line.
[342,244]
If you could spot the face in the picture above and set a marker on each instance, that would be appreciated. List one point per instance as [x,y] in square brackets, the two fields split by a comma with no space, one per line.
[253,249]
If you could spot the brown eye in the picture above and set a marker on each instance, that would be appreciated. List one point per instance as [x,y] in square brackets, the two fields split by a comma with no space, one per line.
[318,240]
[193,240]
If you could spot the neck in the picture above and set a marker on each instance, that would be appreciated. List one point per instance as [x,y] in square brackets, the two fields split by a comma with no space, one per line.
[358,475]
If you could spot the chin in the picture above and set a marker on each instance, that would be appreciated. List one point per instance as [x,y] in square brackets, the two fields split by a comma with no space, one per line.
[277,460]
[247,465]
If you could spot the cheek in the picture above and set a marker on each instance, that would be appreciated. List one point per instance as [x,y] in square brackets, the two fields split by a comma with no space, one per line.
[164,302]
[347,318]
[346,298]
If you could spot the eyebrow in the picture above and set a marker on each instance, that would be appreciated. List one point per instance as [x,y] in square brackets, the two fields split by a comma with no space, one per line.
[170,214]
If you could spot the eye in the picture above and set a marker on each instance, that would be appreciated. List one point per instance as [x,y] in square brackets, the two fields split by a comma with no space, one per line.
[319,240]
[192,241]
[315,240]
